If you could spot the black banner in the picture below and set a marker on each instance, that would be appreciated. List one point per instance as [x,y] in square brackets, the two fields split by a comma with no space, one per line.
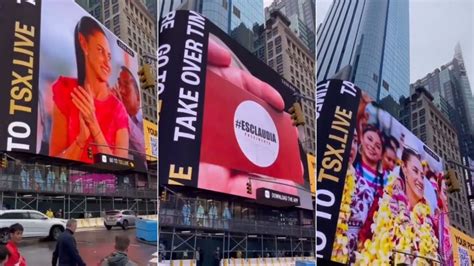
[19,69]
[182,58]
[336,111]
[276,198]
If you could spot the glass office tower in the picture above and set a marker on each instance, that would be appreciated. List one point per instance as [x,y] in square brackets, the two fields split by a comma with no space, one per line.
[238,18]
[367,42]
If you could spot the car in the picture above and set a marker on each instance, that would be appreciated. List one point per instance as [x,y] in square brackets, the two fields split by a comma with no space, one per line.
[121,218]
[35,224]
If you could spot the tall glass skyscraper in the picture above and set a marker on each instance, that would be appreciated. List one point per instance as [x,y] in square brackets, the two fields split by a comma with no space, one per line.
[238,18]
[452,84]
[367,42]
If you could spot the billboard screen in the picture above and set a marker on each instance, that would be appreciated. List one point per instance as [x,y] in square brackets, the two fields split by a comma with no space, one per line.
[463,248]
[223,116]
[380,190]
[69,84]
[151,139]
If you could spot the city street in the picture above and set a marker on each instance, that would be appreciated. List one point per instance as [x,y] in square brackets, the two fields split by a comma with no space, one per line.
[93,245]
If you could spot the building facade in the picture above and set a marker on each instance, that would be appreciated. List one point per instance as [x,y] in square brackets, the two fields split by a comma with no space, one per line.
[288,56]
[367,41]
[134,25]
[421,115]
[301,14]
[451,83]
[238,18]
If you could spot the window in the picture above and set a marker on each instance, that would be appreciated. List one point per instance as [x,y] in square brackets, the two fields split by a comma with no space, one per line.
[422,120]
[422,129]
[107,24]
[415,131]
[278,40]
[236,11]
[116,20]
[129,31]
[270,45]
[280,69]
[423,137]
[385,85]
[291,69]
[270,53]
[269,34]
[34,215]
[422,113]
[415,123]
[224,4]
[106,13]
[419,103]
[414,116]
[270,63]
[115,8]
[375,77]
[117,29]
[275,31]
[279,59]
[106,4]
[278,49]
[14,215]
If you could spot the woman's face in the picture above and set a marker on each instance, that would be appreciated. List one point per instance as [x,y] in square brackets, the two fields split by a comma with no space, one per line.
[98,56]
[371,147]
[414,177]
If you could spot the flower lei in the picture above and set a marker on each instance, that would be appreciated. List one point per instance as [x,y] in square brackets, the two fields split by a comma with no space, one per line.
[396,227]
[340,252]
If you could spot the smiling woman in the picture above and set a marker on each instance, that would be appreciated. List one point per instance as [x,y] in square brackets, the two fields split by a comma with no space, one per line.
[83,106]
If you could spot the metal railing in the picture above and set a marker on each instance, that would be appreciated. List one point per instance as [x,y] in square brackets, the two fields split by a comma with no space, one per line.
[234,225]
[75,188]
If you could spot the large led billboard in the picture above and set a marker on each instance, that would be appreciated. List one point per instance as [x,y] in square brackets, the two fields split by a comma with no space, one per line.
[223,121]
[380,192]
[463,248]
[68,84]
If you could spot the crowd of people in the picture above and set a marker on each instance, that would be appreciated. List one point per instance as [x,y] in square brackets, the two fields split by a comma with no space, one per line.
[66,252]
[211,217]
[394,196]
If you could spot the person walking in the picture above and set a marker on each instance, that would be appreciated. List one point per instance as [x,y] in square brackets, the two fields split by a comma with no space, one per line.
[119,257]
[66,253]
[14,257]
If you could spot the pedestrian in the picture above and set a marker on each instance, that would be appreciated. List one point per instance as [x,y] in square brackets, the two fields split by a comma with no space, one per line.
[59,214]
[197,257]
[66,253]
[185,255]
[15,258]
[217,257]
[119,257]
[50,213]
[4,254]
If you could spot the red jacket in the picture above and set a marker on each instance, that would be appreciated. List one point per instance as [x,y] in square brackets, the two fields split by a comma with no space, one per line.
[15,258]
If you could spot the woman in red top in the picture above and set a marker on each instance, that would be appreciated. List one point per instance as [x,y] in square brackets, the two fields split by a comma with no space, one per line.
[86,113]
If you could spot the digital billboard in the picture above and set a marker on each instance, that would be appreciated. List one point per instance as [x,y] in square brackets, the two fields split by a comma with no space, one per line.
[222,118]
[69,84]
[463,248]
[151,139]
[380,192]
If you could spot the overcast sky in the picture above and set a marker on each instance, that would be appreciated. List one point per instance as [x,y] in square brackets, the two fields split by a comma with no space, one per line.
[435,28]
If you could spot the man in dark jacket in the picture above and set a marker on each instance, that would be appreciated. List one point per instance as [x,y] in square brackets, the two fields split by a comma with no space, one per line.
[119,257]
[66,248]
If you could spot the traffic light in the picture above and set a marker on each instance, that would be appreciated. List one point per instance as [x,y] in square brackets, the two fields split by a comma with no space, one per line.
[452,182]
[147,79]
[163,195]
[249,187]
[90,153]
[297,114]
[4,161]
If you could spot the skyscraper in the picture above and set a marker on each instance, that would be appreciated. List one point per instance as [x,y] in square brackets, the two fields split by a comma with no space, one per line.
[451,83]
[429,123]
[287,55]
[301,14]
[367,42]
[238,18]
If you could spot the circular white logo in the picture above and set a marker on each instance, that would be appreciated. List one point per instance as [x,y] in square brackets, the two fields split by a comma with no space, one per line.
[256,133]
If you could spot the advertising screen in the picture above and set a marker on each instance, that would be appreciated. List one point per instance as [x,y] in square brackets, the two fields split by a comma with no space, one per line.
[463,248]
[69,84]
[381,194]
[151,140]
[223,117]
